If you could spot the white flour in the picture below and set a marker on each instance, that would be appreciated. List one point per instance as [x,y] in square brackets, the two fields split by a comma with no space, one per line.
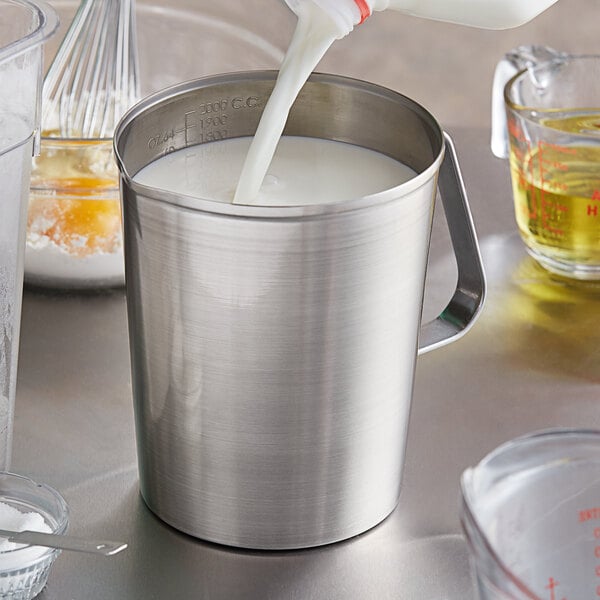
[46,262]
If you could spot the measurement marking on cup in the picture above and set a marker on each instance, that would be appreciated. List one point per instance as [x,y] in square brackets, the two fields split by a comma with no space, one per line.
[589,514]
[552,585]
[206,122]
[533,207]
[597,556]
[583,516]
[516,130]
[548,205]
[559,148]
[195,130]
[592,209]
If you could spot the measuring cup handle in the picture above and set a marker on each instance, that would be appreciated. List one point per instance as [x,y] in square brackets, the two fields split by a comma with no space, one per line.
[464,306]
[522,57]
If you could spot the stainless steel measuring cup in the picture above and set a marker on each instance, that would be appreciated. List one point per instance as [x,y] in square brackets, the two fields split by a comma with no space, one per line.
[531,514]
[24,26]
[273,348]
[552,136]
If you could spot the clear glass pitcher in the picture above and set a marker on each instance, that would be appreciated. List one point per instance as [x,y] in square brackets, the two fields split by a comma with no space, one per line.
[24,26]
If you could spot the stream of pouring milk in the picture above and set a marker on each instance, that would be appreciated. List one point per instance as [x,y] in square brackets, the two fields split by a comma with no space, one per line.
[314,34]
[304,170]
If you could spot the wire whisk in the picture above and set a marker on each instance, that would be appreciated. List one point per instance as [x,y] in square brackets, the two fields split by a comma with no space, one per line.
[93,79]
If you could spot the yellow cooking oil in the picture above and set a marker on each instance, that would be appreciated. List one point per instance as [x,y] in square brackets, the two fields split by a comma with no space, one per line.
[556,189]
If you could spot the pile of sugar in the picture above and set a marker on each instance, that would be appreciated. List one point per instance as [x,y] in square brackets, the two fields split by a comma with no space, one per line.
[13,519]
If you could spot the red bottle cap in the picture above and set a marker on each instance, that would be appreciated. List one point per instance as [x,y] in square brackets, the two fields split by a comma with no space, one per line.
[365,10]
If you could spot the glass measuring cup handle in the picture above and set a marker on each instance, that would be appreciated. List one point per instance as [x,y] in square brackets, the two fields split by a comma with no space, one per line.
[466,303]
[522,57]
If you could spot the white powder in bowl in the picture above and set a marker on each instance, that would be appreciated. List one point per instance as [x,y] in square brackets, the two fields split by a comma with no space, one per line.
[16,556]
[47,264]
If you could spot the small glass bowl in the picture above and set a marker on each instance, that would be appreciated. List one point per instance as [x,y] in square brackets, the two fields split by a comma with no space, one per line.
[74,237]
[24,570]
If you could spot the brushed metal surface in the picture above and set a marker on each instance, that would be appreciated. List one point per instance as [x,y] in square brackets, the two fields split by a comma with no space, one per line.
[530,362]
[273,349]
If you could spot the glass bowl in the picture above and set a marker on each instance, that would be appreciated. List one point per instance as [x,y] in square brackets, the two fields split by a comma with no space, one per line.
[74,238]
[24,569]
[74,234]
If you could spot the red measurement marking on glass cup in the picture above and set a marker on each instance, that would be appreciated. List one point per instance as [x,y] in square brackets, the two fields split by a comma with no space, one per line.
[597,557]
[547,205]
[590,514]
[552,585]
[583,516]
[515,130]
[592,209]
[533,210]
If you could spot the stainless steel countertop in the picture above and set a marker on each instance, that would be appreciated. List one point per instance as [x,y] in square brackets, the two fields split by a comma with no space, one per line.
[532,361]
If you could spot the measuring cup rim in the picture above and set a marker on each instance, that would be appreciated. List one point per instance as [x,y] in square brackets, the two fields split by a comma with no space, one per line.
[561,59]
[183,201]
[47,24]
[552,432]
[470,521]
[77,140]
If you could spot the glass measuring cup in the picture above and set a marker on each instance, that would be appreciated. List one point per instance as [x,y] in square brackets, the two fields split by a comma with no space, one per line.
[24,26]
[531,514]
[552,139]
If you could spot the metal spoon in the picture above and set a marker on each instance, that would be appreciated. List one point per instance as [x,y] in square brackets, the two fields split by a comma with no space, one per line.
[63,542]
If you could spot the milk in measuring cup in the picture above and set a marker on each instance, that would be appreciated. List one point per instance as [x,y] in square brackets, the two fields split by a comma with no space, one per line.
[303,171]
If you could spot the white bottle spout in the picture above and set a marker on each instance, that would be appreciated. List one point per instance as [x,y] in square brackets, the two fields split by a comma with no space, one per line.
[344,13]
